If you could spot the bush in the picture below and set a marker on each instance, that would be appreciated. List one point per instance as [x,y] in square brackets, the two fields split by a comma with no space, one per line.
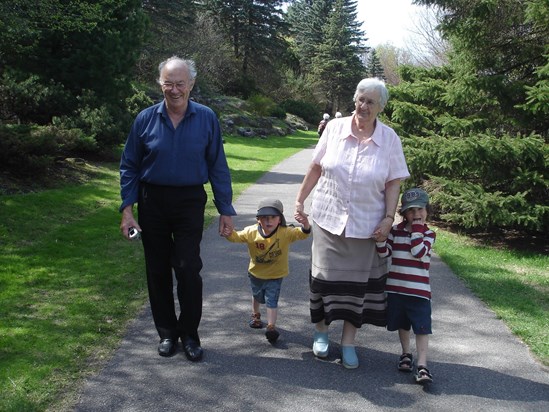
[307,111]
[27,150]
[137,102]
[260,105]
[483,182]
[107,124]
[26,99]
[278,112]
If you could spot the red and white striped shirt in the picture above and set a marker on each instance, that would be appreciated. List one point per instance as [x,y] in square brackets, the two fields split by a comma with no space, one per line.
[410,254]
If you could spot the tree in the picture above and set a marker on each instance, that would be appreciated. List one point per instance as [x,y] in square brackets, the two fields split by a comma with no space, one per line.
[335,67]
[216,65]
[76,55]
[498,47]
[390,58]
[256,30]
[306,19]
[427,46]
[374,67]
[171,31]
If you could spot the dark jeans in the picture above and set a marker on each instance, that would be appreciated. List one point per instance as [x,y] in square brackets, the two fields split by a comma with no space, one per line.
[172,220]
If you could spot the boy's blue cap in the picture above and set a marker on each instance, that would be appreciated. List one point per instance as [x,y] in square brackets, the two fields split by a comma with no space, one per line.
[414,198]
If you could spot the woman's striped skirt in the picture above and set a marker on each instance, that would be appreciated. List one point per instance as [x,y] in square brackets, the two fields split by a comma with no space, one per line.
[347,280]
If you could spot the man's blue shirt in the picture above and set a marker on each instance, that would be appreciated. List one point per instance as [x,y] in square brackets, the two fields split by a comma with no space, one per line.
[190,155]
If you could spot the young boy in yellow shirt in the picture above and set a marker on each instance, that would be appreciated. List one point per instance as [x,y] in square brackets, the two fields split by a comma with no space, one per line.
[268,245]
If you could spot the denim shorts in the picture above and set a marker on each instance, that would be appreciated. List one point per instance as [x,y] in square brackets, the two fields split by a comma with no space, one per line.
[405,312]
[266,291]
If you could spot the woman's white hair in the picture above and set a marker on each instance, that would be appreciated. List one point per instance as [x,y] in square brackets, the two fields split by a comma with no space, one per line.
[372,84]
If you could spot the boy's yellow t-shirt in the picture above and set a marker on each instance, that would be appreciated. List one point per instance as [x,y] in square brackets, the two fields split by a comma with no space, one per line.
[269,256]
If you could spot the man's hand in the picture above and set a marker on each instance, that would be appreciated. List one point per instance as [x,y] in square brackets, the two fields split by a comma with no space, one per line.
[225,225]
[128,221]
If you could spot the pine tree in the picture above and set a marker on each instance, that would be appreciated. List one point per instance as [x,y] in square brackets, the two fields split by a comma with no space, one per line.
[337,68]
[498,49]
[306,19]
[374,67]
[166,19]
[69,50]
[256,29]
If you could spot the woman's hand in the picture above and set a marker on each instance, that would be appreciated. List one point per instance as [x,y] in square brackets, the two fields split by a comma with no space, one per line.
[301,217]
[299,213]
[381,232]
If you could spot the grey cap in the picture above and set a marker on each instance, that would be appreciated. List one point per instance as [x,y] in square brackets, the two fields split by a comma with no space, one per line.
[271,207]
[414,198]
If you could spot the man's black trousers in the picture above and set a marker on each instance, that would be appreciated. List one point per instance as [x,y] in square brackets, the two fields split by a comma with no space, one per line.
[172,220]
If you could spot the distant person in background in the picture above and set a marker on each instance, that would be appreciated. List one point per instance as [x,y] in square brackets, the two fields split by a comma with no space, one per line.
[338,115]
[357,167]
[323,123]
[408,290]
[172,150]
[268,243]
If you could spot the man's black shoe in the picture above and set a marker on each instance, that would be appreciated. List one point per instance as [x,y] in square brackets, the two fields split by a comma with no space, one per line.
[166,347]
[192,349]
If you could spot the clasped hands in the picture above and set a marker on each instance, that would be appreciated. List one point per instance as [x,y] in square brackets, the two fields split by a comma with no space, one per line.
[380,234]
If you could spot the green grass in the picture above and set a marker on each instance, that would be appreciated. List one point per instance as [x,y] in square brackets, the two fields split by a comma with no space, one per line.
[514,284]
[69,283]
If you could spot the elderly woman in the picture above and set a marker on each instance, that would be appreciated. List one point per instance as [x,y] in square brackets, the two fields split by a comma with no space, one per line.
[357,167]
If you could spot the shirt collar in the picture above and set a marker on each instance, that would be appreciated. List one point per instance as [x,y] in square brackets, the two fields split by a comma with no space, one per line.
[191,108]
[377,136]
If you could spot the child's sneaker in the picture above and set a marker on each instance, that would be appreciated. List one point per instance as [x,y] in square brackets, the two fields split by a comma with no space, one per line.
[255,321]
[271,333]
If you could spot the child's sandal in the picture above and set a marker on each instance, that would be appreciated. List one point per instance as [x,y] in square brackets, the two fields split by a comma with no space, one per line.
[255,321]
[406,362]
[423,375]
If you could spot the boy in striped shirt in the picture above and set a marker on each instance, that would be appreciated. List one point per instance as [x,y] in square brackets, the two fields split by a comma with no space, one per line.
[408,290]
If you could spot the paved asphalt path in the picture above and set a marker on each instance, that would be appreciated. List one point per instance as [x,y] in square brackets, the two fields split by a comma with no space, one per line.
[478,365]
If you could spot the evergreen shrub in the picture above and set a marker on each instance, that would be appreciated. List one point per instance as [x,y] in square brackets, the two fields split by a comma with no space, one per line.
[26,150]
[307,111]
[260,105]
[29,99]
[483,182]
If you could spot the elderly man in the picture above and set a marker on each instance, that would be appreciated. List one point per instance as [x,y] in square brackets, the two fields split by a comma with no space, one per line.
[173,149]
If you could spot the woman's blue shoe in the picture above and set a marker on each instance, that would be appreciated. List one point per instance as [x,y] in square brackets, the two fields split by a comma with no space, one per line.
[348,357]
[320,344]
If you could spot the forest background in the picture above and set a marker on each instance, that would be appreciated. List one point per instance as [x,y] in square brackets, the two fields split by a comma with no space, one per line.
[471,108]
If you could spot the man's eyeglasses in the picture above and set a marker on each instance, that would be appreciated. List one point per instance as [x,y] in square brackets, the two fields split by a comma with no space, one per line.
[171,85]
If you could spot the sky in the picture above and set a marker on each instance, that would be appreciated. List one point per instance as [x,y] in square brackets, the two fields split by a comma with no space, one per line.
[386,21]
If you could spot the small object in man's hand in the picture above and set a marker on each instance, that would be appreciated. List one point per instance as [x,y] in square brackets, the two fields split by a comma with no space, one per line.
[134,234]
